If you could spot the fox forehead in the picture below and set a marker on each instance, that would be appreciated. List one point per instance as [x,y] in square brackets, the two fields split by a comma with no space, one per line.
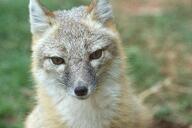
[75,33]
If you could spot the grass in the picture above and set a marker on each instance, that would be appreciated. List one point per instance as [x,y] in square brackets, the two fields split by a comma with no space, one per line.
[158,47]
[14,63]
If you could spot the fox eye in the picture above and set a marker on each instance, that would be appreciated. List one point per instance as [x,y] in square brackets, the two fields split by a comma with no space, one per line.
[57,60]
[96,55]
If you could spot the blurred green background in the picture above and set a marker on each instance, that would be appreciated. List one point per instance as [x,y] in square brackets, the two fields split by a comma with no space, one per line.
[158,40]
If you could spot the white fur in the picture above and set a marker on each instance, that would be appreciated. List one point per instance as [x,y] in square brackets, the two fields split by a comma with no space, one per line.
[95,112]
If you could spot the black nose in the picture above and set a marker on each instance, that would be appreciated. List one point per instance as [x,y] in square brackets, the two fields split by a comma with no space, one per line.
[81,91]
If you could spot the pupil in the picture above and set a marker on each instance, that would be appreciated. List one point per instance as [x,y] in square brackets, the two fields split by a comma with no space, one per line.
[57,60]
[96,55]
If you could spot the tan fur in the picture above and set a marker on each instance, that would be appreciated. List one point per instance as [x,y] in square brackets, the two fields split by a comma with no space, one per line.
[129,112]
[49,116]
[91,6]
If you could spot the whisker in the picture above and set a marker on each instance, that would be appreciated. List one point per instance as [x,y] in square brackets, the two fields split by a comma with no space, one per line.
[60,100]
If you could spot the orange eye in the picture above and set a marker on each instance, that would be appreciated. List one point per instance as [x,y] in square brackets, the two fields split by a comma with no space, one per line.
[96,55]
[57,60]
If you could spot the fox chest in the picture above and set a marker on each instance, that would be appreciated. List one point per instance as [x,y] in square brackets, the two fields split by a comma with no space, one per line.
[87,114]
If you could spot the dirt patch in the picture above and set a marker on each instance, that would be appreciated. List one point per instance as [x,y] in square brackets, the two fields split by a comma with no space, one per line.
[139,8]
[168,124]
[148,7]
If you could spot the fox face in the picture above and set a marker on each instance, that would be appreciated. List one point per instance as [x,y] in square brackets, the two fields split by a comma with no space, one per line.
[73,50]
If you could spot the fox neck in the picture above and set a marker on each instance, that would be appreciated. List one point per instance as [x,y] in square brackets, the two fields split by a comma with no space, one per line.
[95,112]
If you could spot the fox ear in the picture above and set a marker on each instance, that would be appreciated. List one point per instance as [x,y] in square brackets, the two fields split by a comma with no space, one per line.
[40,18]
[101,10]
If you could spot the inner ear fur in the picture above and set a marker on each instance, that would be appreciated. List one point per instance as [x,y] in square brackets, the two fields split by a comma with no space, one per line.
[40,18]
[101,11]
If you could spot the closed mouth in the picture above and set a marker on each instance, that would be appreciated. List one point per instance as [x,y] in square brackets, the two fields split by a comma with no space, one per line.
[82,97]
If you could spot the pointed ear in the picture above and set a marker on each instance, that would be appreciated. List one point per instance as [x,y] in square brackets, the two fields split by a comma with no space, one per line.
[40,18]
[101,10]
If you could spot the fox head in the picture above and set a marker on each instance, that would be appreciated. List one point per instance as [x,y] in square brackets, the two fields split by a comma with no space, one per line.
[74,50]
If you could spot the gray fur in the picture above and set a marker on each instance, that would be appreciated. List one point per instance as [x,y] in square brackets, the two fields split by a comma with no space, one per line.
[73,39]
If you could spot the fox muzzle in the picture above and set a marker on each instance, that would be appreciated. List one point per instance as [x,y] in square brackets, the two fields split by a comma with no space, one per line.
[80,79]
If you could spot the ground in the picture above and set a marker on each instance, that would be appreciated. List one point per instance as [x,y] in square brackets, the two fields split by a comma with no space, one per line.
[157,37]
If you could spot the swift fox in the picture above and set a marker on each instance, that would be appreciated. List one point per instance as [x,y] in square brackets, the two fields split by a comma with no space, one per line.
[79,68]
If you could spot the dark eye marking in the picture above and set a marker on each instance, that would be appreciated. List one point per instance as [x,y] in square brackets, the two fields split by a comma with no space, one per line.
[96,55]
[57,60]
